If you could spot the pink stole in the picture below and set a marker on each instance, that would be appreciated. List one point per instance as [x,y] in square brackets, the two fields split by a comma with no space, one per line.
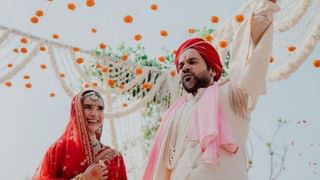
[208,127]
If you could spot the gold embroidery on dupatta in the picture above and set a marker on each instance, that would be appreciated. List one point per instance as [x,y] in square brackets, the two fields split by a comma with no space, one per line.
[83,130]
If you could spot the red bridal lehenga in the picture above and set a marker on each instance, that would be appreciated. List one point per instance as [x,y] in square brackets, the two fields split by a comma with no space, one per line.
[72,153]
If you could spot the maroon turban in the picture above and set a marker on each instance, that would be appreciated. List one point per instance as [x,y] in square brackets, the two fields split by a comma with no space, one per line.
[206,50]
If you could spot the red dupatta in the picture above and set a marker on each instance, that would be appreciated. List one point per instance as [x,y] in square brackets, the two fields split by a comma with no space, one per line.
[71,154]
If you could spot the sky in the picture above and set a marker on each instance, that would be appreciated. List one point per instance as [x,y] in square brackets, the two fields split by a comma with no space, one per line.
[31,120]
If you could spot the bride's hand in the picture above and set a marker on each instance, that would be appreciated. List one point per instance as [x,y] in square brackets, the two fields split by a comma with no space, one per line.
[95,172]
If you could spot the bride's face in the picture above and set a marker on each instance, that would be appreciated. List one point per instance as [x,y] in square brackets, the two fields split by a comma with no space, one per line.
[93,113]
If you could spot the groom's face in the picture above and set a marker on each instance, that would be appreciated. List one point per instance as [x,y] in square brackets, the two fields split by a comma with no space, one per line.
[195,73]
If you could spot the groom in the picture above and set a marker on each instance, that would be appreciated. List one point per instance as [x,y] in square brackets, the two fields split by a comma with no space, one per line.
[203,135]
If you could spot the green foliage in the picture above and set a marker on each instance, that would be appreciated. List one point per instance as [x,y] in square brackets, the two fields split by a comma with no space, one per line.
[136,55]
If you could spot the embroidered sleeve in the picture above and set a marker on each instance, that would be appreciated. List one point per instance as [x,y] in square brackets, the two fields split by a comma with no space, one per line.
[238,98]
[261,19]
[249,61]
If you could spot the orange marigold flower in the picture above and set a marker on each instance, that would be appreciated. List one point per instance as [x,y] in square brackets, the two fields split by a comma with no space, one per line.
[128,19]
[52,94]
[55,36]
[137,37]
[223,44]
[102,45]
[79,60]
[26,77]
[291,48]
[39,13]
[43,66]
[138,71]
[10,65]
[173,73]
[24,50]
[191,30]
[42,48]
[8,83]
[90,3]
[28,85]
[271,60]
[239,18]
[124,105]
[71,6]
[208,38]
[34,19]
[86,85]
[162,59]
[61,75]
[93,30]
[154,7]
[75,49]
[111,82]
[24,40]
[163,33]
[121,86]
[316,63]
[174,52]
[124,57]
[214,19]
[94,84]
[16,50]
[147,86]
[98,65]
[104,69]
